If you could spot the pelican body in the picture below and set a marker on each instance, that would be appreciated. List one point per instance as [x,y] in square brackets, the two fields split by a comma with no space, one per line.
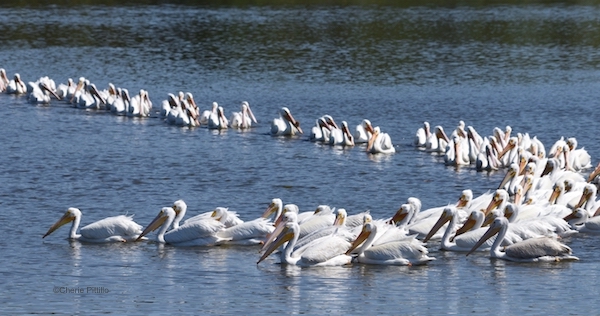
[111,229]
[530,250]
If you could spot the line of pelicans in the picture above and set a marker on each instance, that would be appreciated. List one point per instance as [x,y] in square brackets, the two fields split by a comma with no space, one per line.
[562,203]
[466,146]
[181,109]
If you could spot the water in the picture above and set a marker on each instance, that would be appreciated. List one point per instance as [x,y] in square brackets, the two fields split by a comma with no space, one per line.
[534,67]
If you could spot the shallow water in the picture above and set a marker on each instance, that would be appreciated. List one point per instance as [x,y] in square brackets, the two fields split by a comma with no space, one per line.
[533,67]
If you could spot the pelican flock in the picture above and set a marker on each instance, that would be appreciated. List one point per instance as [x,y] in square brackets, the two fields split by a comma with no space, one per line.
[548,192]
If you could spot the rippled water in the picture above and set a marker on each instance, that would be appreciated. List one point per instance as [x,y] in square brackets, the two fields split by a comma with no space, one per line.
[534,67]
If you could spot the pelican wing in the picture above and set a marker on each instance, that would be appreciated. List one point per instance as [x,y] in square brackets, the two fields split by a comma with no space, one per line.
[536,248]
[111,226]
[194,230]
[258,228]
[323,249]
[315,223]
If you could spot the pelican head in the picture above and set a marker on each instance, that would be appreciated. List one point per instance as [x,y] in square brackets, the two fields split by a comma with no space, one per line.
[276,204]
[495,227]
[285,231]
[400,214]
[164,214]
[71,215]
[367,229]
[446,216]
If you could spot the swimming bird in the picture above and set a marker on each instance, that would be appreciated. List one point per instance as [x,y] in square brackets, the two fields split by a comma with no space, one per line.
[421,135]
[3,80]
[285,124]
[530,250]
[196,233]
[321,131]
[111,229]
[218,120]
[16,85]
[363,132]
[407,251]
[342,136]
[380,143]
[206,114]
[324,251]
[244,118]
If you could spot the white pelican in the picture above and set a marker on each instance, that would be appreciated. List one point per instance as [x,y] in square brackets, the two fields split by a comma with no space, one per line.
[530,250]
[421,135]
[380,143]
[581,221]
[363,132]
[168,105]
[3,80]
[40,92]
[406,252]
[321,131]
[338,227]
[140,105]
[457,153]
[196,233]
[111,229]
[244,118]
[120,105]
[276,207]
[342,136]
[206,114]
[463,239]
[324,251]
[65,91]
[285,124]
[16,86]
[218,120]
[437,141]
[577,158]
[247,233]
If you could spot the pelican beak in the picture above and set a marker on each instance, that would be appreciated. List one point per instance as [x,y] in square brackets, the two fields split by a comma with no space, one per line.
[296,124]
[506,149]
[156,223]
[95,92]
[444,218]
[594,173]
[441,134]
[271,237]
[251,114]
[348,134]
[339,219]
[372,140]
[398,216]
[493,204]
[270,210]
[509,175]
[570,216]
[488,234]
[66,218]
[79,87]
[469,223]
[489,218]
[285,235]
[584,197]
[597,212]
[45,87]
[554,195]
[462,202]
[369,128]
[364,234]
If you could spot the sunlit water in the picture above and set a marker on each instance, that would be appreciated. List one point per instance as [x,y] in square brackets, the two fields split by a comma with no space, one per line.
[532,67]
